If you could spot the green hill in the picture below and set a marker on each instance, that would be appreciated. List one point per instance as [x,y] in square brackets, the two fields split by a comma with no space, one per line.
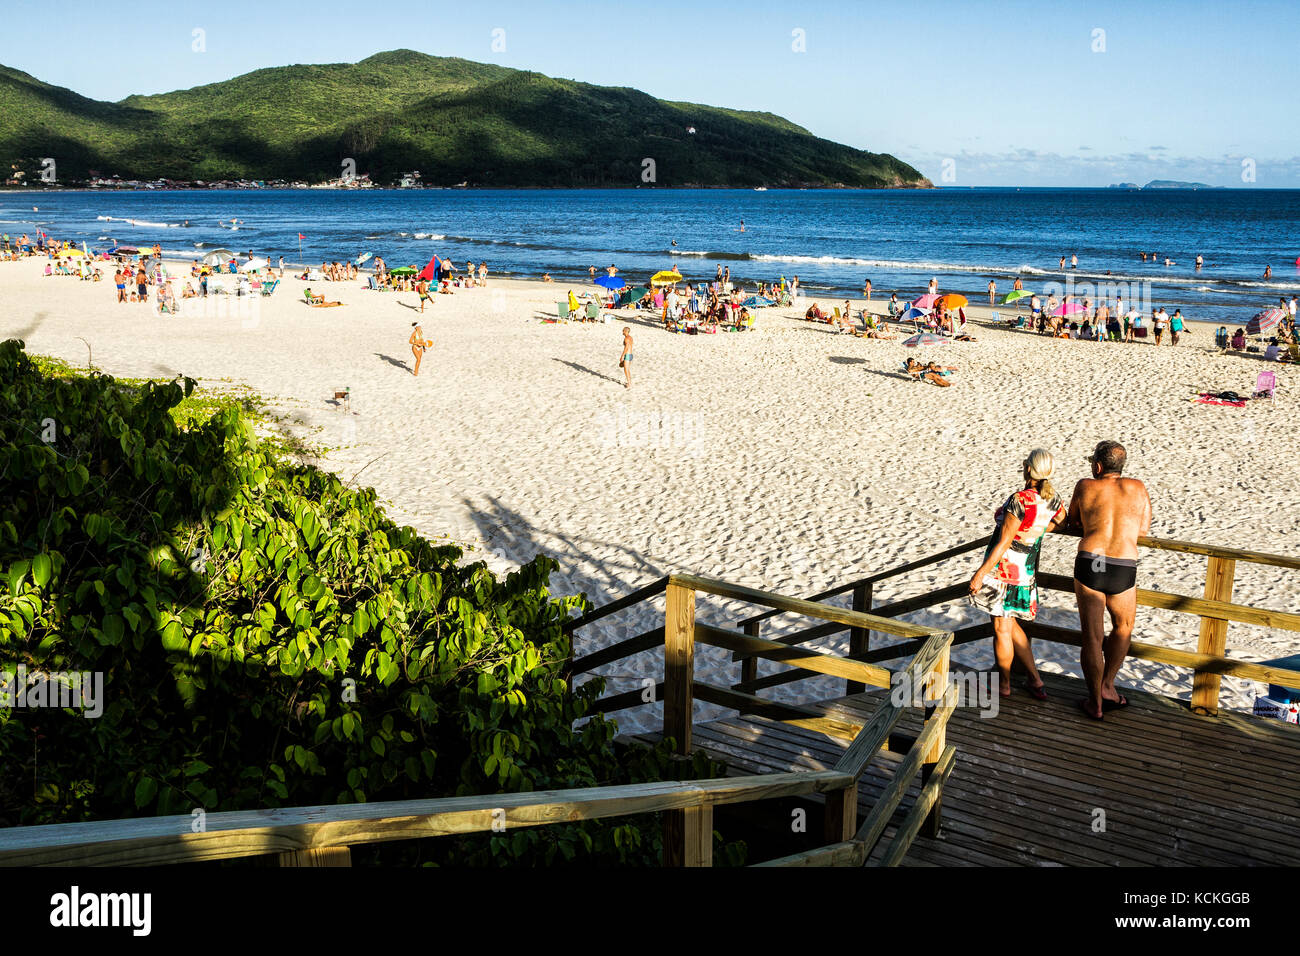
[453,120]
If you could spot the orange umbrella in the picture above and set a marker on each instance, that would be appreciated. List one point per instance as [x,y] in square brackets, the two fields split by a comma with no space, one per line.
[950,301]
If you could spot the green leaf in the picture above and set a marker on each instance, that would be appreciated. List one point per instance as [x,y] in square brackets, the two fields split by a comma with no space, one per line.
[41,567]
[145,791]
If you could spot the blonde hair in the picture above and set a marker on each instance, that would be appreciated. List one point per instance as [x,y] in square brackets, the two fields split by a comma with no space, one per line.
[1039,467]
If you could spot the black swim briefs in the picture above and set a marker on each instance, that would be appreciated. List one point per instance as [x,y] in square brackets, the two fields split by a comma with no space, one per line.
[1104,574]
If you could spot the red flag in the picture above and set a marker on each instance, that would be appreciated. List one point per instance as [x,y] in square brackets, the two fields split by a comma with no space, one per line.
[301,236]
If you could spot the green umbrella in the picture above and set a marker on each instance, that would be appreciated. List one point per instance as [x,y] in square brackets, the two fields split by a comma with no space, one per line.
[402,271]
[1013,296]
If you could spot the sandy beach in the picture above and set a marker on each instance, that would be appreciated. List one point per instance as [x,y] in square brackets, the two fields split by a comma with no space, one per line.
[788,458]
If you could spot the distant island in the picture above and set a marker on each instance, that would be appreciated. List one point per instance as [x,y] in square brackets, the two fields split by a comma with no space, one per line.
[407,118]
[1163,184]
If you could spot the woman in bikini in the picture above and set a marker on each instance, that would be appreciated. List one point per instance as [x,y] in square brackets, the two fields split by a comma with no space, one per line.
[1005,585]
[625,361]
[418,345]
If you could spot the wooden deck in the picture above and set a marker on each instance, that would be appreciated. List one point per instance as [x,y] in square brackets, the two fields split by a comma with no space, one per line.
[1177,789]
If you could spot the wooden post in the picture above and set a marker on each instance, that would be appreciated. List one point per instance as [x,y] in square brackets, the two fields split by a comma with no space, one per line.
[326,856]
[1219,576]
[749,666]
[859,637]
[937,691]
[684,835]
[841,820]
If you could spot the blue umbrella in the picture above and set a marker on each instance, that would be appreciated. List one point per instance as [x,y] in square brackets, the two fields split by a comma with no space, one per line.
[611,282]
[757,302]
[912,314]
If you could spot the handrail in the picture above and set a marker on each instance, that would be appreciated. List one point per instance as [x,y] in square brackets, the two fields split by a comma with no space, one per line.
[627,600]
[164,840]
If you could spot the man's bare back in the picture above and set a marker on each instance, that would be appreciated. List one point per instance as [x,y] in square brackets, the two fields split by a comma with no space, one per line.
[1112,512]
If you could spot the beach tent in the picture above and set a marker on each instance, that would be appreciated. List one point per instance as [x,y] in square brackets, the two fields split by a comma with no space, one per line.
[430,272]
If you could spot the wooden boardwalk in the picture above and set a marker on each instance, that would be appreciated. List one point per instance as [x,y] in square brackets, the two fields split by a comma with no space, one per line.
[1176,789]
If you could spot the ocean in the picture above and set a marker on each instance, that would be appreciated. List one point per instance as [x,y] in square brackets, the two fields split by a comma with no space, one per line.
[831,239]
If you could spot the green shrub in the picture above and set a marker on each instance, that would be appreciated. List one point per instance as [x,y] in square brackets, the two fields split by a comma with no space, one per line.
[267,637]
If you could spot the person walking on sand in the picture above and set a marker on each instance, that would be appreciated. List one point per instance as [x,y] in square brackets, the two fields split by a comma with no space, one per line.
[1111,512]
[422,288]
[418,345]
[625,360]
[1005,585]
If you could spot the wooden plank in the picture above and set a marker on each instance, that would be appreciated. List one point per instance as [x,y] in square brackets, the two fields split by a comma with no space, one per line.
[688,837]
[628,698]
[326,856]
[635,597]
[876,731]
[775,710]
[1218,610]
[749,667]
[1213,640]
[859,637]
[797,637]
[161,840]
[649,640]
[841,817]
[937,687]
[825,612]
[849,853]
[808,660]
[881,811]
[679,665]
[921,810]
[1172,655]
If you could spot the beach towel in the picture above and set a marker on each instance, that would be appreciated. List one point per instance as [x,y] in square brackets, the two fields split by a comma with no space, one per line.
[1220,398]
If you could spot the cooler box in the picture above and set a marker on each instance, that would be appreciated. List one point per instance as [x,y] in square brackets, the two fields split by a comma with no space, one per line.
[1277,691]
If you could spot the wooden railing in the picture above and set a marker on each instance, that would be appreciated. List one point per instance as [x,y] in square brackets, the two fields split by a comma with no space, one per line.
[1208,663]
[322,836]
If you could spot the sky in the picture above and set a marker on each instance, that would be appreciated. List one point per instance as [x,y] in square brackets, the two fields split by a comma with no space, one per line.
[972,94]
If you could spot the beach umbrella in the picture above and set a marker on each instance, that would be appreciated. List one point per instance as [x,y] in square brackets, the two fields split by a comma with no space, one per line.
[256,263]
[926,301]
[126,250]
[950,301]
[1067,308]
[924,338]
[666,278]
[757,302]
[72,252]
[1263,321]
[215,257]
[402,271]
[914,314]
[611,282]
[1016,296]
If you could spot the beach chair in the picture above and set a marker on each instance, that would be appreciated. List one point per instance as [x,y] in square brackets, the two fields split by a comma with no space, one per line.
[593,312]
[269,287]
[1265,385]
[563,309]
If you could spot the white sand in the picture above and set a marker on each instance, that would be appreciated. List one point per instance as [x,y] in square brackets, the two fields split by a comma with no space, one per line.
[788,458]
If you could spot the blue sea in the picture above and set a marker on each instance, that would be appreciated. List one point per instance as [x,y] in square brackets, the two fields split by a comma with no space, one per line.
[831,239]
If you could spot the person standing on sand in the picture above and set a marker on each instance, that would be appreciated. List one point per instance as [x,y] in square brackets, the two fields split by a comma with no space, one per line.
[1005,584]
[625,360]
[418,345]
[1111,512]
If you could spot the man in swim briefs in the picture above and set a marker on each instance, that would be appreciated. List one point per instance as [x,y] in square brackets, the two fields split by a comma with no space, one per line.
[1111,512]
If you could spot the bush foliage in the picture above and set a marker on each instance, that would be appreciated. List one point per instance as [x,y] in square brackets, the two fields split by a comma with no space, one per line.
[268,637]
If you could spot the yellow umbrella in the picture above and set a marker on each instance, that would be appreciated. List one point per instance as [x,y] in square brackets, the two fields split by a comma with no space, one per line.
[950,301]
[72,252]
[666,278]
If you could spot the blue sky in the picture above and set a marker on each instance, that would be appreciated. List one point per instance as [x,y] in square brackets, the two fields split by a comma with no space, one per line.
[999,93]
